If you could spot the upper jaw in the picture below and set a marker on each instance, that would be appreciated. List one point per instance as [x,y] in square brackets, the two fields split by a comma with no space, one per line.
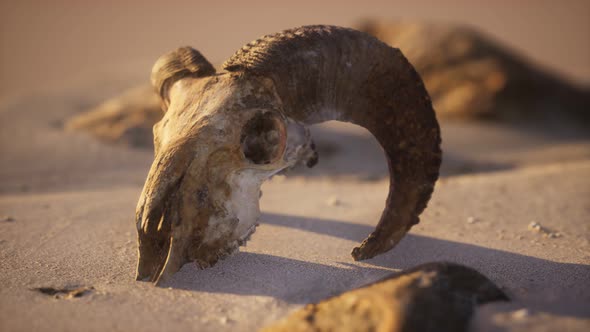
[197,221]
[241,212]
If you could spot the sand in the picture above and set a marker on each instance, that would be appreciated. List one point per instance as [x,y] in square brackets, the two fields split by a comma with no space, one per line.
[67,204]
[72,202]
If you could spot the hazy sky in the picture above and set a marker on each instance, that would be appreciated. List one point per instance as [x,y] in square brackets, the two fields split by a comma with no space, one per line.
[48,42]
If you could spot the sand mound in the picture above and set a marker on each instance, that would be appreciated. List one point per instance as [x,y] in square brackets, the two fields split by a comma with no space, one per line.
[126,119]
[470,75]
[467,74]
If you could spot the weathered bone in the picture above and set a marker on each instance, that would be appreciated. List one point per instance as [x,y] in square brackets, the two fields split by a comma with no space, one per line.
[223,134]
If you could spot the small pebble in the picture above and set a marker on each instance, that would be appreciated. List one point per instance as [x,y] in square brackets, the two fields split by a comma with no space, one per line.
[225,320]
[472,220]
[334,201]
[552,235]
[534,226]
[7,219]
[520,314]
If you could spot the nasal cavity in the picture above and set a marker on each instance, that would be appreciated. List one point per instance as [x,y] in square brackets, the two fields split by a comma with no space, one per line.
[263,138]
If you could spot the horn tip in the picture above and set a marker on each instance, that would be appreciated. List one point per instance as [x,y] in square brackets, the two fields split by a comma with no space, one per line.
[362,252]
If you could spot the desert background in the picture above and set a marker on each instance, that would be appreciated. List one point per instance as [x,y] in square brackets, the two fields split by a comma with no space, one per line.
[67,198]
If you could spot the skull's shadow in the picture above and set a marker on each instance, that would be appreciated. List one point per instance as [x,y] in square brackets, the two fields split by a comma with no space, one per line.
[537,283]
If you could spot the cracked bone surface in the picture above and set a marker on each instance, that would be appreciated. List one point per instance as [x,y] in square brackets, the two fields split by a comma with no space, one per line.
[223,134]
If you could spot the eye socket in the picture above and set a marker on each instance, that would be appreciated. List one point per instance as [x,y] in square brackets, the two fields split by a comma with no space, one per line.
[263,138]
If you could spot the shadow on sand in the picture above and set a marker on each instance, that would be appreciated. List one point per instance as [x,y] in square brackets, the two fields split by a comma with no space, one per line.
[468,147]
[524,278]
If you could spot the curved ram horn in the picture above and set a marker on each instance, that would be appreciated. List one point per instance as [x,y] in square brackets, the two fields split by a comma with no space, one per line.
[330,73]
[175,65]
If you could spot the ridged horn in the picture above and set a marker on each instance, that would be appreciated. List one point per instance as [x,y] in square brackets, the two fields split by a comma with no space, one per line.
[176,65]
[330,73]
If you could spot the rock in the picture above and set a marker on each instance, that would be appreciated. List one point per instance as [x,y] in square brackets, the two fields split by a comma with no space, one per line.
[537,228]
[520,314]
[126,119]
[467,74]
[470,75]
[334,201]
[430,297]
[66,292]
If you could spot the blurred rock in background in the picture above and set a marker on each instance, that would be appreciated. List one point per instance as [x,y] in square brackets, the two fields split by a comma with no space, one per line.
[126,119]
[470,75]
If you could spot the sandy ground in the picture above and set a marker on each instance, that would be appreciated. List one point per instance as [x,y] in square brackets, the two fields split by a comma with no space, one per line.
[298,255]
[67,204]
[72,202]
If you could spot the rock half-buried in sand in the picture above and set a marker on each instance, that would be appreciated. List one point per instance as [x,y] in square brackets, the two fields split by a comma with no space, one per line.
[470,75]
[467,74]
[126,119]
[429,297]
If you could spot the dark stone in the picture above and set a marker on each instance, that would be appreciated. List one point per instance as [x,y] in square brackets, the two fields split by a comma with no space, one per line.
[431,297]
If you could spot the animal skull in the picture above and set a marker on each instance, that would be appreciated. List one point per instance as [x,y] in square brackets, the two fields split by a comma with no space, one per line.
[223,134]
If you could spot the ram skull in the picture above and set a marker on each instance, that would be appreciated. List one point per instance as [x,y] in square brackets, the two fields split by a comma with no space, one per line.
[224,133]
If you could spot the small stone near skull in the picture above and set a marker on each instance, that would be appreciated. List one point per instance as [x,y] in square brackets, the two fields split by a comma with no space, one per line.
[66,292]
[538,228]
[7,219]
[334,201]
[520,314]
